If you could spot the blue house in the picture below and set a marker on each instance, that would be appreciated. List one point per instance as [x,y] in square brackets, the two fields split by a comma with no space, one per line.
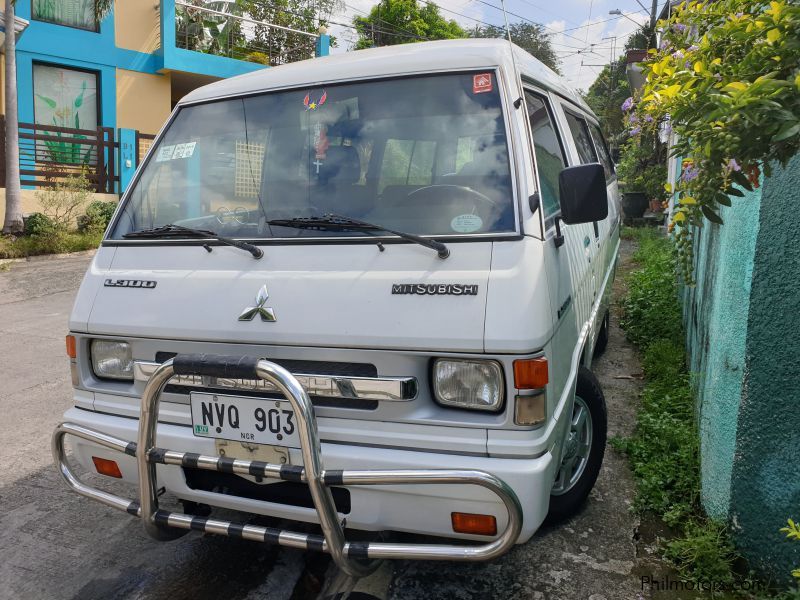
[128,71]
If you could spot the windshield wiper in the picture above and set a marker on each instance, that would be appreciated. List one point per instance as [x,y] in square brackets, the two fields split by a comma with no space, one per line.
[334,221]
[170,230]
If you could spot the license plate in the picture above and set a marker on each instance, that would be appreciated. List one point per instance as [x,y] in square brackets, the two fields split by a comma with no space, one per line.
[244,419]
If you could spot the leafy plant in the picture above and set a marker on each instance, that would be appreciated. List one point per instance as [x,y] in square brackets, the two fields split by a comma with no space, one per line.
[792,531]
[97,217]
[664,450]
[62,202]
[642,168]
[38,224]
[725,78]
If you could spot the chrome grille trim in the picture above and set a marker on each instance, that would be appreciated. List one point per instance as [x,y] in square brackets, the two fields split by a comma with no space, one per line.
[385,389]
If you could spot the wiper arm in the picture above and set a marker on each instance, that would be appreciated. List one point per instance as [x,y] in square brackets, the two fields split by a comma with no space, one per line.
[331,221]
[172,230]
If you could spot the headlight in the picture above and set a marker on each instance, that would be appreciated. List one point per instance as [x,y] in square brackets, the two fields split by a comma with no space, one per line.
[473,384]
[112,359]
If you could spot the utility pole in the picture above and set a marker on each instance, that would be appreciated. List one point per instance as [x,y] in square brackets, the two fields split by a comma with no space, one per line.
[654,14]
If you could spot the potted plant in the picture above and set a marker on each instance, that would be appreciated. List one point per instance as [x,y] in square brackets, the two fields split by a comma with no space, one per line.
[642,173]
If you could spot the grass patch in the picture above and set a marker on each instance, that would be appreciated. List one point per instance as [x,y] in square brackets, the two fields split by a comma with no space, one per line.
[56,243]
[664,449]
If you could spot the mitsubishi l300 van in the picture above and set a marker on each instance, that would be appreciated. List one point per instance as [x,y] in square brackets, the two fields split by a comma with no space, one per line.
[362,291]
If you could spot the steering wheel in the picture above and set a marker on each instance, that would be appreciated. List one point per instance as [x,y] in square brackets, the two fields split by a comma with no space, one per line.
[451,190]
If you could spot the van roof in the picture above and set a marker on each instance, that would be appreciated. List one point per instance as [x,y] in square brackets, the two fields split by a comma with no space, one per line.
[403,59]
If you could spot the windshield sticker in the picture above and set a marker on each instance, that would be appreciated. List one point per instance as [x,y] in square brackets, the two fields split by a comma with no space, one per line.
[176,151]
[312,104]
[321,143]
[466,223]
[165,153]
[482,83]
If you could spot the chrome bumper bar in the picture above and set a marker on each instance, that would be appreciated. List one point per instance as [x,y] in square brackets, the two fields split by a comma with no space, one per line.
[352,557]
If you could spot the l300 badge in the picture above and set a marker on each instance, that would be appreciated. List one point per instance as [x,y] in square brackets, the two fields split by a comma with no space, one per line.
[130,283]
[267,314]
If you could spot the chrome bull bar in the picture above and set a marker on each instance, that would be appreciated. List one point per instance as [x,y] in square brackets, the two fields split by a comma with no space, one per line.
[351,557]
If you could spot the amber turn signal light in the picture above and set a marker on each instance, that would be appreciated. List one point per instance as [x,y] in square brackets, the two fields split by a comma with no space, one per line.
[71,352]
[474,524]
[107,467]
[530,373]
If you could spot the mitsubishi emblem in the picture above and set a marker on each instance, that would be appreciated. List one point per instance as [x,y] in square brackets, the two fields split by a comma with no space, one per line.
[267,314]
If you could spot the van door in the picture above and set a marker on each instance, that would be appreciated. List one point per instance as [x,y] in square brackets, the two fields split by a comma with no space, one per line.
[584,146]
[595,244]
[568,266]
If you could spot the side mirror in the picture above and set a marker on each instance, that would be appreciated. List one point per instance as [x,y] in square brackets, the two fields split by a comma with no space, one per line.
[583,194]
[615,155]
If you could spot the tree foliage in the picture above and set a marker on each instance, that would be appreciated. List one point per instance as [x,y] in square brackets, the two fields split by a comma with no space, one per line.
[531,37]
[304,15]
[611,87]
[393,22]
[726,78]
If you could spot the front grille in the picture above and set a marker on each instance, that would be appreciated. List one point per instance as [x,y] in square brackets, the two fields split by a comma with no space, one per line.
[318,367]
[284,492]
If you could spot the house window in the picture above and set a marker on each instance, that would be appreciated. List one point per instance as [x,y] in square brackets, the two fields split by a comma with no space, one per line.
[65,97]
[72,13]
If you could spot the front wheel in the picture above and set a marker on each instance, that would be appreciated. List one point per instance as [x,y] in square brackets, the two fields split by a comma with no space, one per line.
[583,450]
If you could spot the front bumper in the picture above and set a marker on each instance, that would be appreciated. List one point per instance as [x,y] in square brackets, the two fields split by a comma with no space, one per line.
[515,491]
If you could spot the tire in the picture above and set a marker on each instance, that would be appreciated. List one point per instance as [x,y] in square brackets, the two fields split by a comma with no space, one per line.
[602,336]
[575,481]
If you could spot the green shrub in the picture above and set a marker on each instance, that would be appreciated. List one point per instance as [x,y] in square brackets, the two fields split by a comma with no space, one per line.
[57,243]
[98,215]
[704,553]
[651,311]
[38,224]
[664,451]
[63,201]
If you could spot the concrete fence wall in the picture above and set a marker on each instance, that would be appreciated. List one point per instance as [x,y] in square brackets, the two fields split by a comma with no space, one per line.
[743,336]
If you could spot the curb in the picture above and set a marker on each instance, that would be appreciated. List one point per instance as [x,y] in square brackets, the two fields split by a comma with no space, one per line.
[44,257]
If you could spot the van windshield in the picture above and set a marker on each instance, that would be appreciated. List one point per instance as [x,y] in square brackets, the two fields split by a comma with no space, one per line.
[424,155]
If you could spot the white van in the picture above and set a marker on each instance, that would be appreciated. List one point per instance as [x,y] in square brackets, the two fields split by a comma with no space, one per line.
[362,291]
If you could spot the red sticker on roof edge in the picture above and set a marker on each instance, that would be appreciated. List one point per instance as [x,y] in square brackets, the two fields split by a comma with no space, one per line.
[481,83]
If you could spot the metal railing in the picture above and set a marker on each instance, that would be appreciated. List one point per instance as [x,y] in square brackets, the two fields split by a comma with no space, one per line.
[202,29]
[354,558]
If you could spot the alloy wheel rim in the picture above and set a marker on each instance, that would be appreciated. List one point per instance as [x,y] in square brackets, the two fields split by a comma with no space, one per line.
[577,448]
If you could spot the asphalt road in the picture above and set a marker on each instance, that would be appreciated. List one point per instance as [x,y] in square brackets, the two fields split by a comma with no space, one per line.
[55,544]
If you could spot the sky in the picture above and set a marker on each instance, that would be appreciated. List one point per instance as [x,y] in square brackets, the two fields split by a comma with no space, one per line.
[581,28]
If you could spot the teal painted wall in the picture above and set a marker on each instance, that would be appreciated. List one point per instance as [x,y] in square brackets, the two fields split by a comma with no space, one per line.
[743,339]
[765,484]
[715,313]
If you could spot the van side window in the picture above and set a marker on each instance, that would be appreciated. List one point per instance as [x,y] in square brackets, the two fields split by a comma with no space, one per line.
[549,155]
[602,150]
[583,141]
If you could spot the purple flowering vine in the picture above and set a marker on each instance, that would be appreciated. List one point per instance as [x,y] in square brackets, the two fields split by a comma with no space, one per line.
[690,173]
[628,104]
[733,165]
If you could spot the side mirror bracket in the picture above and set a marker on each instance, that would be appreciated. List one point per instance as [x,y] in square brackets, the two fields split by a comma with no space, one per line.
[558,240]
